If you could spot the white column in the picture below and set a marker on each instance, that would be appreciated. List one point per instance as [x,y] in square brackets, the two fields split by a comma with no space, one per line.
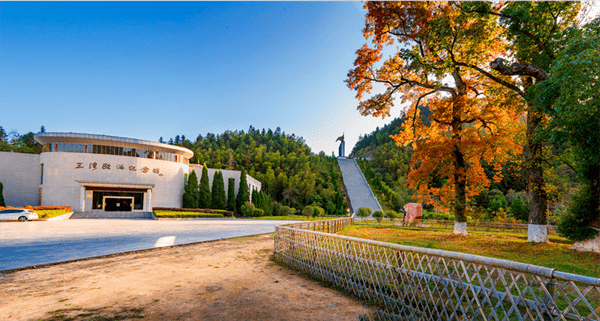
[82,199]
[149,200]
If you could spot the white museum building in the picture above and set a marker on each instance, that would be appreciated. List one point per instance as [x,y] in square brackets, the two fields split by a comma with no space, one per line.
[94,173]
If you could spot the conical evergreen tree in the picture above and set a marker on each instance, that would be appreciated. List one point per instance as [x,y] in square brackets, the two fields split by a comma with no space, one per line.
[231,195]
[243,194]
[218,192]
[190,191]
[204,200]
[2,203]
[255,199]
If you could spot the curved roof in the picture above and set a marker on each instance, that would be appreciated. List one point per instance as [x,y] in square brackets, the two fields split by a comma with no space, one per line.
[81,138]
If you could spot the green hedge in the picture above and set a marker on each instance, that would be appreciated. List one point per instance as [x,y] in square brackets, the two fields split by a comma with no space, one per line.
[427,215]
[163,213]
[50,213]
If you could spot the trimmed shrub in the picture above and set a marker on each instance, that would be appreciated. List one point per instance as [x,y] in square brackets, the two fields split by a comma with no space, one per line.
[186,214]
[258,212]
[392,215]
[363,212]
[248,209]
[197,210]
[378,215]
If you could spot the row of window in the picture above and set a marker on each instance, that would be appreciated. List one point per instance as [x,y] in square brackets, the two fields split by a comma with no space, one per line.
[113,150]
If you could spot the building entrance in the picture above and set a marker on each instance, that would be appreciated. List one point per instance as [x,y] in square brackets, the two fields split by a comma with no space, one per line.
[118,203]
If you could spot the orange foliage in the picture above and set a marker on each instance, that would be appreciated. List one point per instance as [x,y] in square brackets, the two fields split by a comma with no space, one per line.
[472,118]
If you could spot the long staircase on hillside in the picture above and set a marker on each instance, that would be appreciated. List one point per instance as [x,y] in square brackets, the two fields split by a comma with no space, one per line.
[358,190]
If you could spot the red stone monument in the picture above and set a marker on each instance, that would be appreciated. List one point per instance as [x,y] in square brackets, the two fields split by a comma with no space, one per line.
[413,211]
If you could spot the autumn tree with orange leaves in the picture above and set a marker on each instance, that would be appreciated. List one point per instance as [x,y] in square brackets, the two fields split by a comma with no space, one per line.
[472,117]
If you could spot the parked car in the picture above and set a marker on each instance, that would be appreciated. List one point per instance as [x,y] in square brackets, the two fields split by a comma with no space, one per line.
[14,214]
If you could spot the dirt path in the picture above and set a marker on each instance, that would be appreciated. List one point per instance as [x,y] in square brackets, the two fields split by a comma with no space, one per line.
[224,280]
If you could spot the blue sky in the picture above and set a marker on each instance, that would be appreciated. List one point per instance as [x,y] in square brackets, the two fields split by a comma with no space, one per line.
[152,69]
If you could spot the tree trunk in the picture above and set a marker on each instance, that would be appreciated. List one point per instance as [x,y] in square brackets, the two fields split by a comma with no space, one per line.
[460,195]
[538,199]
[460,179]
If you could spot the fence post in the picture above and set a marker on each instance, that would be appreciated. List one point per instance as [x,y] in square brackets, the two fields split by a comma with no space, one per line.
[549,300]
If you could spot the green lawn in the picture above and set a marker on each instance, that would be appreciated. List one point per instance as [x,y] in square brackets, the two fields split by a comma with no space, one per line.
[503,245]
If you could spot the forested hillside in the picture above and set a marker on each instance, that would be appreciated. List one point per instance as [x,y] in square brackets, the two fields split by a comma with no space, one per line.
[283,163]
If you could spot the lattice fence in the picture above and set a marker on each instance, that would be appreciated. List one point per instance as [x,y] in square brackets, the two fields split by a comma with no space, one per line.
[471,226]
[412,283]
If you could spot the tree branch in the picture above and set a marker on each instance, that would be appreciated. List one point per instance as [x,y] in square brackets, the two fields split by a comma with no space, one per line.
[519,69]
[416,108]
[492,77]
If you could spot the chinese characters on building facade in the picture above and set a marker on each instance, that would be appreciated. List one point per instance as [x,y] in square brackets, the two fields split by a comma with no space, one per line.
[119,167]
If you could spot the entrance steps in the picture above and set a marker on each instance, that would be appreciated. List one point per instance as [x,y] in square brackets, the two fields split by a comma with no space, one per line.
[358,190]
[113,215]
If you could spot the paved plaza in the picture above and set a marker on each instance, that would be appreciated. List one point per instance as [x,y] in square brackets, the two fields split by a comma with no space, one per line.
[42,242]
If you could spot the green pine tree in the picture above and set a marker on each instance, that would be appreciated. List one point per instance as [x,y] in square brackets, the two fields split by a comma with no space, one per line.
[231,195]
[339,204]
[267,206]
[255,199]
[218,192]
[204,200]
[190,191]
[2,203]
[243,194]
[518,209]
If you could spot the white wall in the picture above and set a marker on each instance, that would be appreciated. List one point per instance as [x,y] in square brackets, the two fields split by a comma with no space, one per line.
[20,175]
[61,175]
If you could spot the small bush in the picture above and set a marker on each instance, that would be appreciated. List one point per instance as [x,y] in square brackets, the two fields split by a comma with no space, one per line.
[286,210]
[378,215]
[248,209]
[363,212]
[258,212]
[308,211]
[575,223]
[392,215]
[319,212]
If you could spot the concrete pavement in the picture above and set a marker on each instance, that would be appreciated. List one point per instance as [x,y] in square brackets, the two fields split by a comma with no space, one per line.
[24,244]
